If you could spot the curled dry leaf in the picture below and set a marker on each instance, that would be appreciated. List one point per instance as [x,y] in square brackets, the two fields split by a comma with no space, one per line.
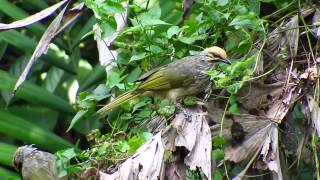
[291,36]
[244,140]
[33,18]
[314,109]
[279,109]
[146,163]
[188,132]
[257,133]
[270,152]
[70,16]
[286,35]
[316,23]
[42,46]
[193,132]
[257,95]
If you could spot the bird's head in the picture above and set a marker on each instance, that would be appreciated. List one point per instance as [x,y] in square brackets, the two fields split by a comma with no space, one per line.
[216,54]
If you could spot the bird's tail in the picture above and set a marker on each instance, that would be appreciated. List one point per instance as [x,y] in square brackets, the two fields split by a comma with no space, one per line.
[118,101]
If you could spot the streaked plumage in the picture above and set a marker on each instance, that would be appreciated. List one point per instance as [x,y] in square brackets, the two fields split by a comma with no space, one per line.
[181,78]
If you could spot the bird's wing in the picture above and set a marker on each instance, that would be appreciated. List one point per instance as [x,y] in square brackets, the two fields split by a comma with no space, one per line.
[147,74]
[168,77]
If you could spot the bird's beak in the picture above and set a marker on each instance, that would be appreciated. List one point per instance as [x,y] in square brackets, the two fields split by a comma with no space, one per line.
[227,61]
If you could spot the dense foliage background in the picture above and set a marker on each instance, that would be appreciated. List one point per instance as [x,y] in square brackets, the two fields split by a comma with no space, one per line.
[55,108]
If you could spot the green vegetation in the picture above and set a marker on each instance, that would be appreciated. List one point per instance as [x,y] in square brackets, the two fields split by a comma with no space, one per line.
[55,108]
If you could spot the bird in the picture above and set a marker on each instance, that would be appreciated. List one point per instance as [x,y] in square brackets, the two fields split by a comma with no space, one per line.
[176,80]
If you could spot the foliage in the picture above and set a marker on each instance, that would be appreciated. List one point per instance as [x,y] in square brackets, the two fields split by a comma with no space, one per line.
[155,35]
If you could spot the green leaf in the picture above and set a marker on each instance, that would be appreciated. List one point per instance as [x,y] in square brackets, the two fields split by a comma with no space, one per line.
[153,22]
[218,141]
[138,56]
[101,92]
[173,30]
[190,101]
[122,146]
[63,163]
[222,2]
[267,1]
[46,118]
[134,74]
[136,141]
[248,21]
[108,27]
[34,94]
[217,175]
[112,7]
[80,114]
[192,39]
[114,77]
[18,128]
[6,154]
[143,114]
[9,175]
[217,154]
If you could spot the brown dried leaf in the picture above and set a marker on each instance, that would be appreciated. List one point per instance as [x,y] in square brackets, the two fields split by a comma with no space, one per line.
[257,96]
[33,18]
[281,106]
[176,168]
[196,137]
[146,163]
[314,109]
[70,16]
[291,36]
[270,152]
[42,47]
[316,23]
[189,129]
[286,35]
[242,143]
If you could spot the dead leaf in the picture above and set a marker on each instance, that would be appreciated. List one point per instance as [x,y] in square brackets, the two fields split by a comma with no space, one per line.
[278,110]
[195,135]
[42,47]
[316,23]
[314,109]
[70,16]
[270,152]
[254,129]
[257,96]
[176,168]
[146,163]
[33,18]
[190,129]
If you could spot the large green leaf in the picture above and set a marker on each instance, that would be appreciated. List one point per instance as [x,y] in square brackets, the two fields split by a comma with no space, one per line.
[6,174]
[18,128]
[34,94]
[27,44]
[6,154]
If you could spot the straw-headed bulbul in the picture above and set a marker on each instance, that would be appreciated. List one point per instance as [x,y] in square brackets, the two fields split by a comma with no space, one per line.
[176,80]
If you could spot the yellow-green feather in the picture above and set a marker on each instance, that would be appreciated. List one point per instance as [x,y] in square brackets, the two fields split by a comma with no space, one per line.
[118,101]
[155,82]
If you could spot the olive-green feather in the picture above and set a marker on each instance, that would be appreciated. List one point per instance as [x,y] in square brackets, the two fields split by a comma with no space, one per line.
[118,101]
[156,81]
